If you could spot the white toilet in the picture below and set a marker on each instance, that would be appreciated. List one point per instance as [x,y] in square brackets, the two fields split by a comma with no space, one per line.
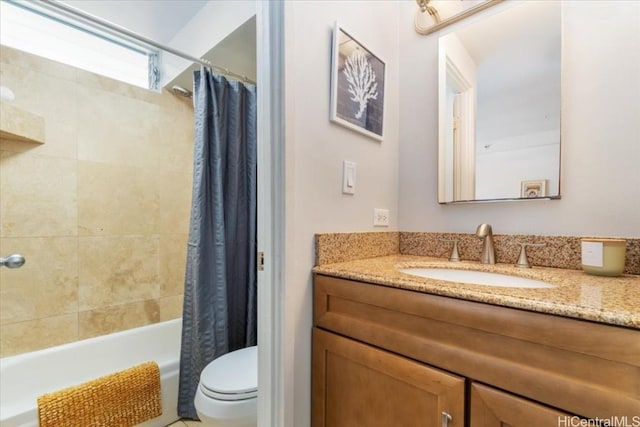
[227,394]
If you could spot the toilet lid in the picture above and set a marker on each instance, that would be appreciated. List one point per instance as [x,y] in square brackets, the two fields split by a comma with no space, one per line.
[233,376]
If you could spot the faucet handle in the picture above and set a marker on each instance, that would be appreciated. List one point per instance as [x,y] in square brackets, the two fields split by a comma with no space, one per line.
[455,256]
[523,261]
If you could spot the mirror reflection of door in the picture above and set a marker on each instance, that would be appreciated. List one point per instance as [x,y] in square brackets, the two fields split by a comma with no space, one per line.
[461,121]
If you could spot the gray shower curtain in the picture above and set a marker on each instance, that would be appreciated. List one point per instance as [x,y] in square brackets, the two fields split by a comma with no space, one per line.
[219,312]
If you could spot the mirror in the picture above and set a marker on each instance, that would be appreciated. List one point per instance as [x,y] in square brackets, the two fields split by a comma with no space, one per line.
[499,106]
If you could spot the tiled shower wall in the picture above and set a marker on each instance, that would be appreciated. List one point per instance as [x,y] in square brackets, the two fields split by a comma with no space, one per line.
[100,210]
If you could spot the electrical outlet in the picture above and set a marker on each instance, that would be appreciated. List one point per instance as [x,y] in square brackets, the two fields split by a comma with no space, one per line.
[380,217]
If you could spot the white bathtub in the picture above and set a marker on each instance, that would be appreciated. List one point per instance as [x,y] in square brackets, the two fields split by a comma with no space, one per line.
[26,376]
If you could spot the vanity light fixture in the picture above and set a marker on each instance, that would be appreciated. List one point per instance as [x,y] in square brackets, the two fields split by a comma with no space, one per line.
[424,7]
[436,22]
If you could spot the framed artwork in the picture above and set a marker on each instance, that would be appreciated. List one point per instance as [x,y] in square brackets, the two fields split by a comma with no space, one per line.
[533,189]
[357,85]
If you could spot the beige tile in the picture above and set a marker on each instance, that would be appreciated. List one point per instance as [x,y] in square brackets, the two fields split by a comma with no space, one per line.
[177,424]
[137,127]
[170,307]
[16,338]
[172,101]
[117,270]
[116,199]
[115,129]
[191,423]
[175,191]
[49,97]
[117,318]
[37,196]
[173,259]
[175,133]
[46,285]
[15,57]
[165,98]
[96,81]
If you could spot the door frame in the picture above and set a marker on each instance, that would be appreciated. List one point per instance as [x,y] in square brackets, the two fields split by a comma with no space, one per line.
[271,211]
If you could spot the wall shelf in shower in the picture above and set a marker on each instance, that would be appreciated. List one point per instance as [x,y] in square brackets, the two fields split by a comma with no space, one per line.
[20,125]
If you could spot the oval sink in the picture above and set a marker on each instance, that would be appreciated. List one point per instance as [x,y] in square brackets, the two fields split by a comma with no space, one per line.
[482,278]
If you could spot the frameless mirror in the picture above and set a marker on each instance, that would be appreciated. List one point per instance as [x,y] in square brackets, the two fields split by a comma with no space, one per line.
[499,106]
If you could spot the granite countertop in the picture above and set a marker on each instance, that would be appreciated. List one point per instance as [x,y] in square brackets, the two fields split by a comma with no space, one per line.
[611,300]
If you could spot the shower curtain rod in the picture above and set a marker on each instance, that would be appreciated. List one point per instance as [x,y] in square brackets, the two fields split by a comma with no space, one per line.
[112,28]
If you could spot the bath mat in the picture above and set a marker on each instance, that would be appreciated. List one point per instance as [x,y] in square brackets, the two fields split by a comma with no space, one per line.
[123,399]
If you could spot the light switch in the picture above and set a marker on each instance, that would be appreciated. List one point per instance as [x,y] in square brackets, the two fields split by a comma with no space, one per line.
[348,177]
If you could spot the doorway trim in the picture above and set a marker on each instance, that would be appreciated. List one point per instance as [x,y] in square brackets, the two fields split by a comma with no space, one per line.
[271,212]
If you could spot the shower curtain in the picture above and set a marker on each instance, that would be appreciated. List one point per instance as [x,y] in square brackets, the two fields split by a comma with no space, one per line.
[219,313]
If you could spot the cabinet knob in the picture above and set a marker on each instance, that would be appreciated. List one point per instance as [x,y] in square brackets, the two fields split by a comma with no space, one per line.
[445,419]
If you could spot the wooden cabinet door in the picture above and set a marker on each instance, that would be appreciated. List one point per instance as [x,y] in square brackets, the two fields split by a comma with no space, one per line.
[493,408]
[357,385]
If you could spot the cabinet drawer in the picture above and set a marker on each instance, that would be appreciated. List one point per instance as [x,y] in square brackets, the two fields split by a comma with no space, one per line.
[494,408]
[357,385]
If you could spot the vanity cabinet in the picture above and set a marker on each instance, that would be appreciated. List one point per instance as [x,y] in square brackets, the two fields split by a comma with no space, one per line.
[381,352]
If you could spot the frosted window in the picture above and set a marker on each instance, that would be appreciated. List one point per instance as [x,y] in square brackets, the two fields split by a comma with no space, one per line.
[43,36]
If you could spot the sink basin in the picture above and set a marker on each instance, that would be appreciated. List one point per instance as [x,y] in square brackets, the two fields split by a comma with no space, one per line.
[482,278]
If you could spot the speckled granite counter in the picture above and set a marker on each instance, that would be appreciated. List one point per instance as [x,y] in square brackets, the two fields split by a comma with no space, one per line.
[612,300]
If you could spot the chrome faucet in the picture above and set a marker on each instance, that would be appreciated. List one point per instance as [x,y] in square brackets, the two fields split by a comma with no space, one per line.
[488,255]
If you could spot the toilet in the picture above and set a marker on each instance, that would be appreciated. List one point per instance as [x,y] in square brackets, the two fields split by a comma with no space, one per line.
[227,394]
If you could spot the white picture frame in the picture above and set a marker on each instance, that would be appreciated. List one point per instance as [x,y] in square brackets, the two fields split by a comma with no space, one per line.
[358,78]
[533,189]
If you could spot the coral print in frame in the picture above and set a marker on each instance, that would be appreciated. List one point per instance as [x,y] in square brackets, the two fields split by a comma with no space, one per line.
[357,85]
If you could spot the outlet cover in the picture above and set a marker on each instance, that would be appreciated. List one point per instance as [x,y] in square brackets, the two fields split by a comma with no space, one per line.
[380,217]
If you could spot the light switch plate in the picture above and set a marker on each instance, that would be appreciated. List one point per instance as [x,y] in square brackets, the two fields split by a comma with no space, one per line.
[348,177]
[380,217]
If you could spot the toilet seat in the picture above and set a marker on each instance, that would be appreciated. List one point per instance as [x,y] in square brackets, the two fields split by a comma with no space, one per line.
[232,377]
[228,396]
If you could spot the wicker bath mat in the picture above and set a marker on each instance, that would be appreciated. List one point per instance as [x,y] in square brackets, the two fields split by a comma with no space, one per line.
[123,399]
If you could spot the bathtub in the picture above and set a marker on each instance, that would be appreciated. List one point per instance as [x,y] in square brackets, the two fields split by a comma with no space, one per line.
[26,376]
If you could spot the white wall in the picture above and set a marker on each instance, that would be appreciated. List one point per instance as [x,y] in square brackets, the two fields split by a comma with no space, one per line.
[215,21]
[600,132]
[499,172]
[315,149]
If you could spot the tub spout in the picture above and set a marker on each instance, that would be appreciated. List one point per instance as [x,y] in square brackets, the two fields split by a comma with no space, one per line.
[12,261]
[488,255]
